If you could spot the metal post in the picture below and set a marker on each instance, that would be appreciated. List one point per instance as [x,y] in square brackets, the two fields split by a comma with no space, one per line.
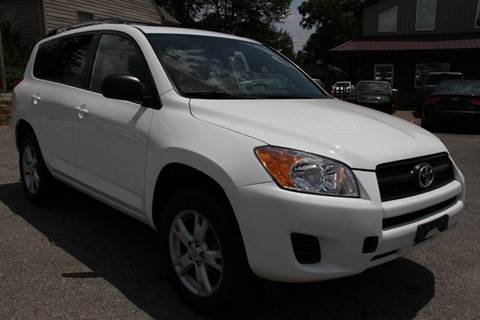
[3,77]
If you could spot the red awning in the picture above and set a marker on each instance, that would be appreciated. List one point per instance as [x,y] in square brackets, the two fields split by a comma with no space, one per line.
[397,45]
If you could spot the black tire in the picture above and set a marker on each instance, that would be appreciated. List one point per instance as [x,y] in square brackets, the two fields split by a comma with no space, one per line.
[237,277]
[45,185]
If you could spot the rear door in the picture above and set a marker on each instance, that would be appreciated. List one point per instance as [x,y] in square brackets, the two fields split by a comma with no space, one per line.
[59,70]
[111,136]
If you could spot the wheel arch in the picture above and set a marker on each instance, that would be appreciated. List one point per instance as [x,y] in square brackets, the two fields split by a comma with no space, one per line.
[22,127]
[175,175]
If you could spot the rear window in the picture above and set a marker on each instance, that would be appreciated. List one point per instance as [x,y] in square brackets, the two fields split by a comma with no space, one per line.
[461,88]
[71,59]
[43,60]
[435,79]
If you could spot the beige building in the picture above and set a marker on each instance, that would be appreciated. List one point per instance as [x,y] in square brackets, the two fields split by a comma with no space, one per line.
[35,18]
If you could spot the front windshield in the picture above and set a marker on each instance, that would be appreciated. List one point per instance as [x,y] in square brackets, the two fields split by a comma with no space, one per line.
[220,68]
[380,87]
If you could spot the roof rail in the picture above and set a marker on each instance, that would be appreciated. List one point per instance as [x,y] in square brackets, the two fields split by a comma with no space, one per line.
[100,21]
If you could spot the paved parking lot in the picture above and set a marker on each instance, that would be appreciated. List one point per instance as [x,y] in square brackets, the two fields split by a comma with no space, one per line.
[79,259]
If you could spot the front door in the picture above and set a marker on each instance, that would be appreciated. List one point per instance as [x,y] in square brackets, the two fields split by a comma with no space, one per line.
[111,136]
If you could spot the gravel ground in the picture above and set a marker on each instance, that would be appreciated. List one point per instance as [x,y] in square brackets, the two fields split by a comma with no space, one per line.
[79,259]
[5,100]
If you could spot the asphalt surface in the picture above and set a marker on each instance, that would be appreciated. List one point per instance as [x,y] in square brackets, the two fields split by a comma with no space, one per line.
[79,259]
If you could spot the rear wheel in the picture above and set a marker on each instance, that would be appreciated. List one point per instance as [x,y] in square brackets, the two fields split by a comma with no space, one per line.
[36,179]
[202,244]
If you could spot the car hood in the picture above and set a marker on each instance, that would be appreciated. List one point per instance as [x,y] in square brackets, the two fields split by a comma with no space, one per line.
[360,137]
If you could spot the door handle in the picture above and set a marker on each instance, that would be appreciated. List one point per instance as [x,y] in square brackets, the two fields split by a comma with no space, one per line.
[82,111]
[36,98]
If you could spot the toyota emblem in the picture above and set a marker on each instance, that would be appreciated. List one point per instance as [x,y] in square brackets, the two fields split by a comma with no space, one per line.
[425,175]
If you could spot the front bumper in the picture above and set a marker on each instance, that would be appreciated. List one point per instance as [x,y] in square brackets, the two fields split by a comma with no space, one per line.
[268,215]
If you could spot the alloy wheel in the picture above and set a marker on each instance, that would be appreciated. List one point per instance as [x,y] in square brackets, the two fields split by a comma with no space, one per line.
[196,253]
[31,175]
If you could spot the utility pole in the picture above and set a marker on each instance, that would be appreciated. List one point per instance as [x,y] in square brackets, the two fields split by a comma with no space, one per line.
[3,77]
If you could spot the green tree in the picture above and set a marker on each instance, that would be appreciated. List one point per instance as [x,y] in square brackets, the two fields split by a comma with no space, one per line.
[334,22]
[253,19]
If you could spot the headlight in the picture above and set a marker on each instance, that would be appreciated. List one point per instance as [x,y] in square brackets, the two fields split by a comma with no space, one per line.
[385,99]
[305,172]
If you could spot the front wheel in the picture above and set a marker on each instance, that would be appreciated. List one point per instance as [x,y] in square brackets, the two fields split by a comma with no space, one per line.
[206,260]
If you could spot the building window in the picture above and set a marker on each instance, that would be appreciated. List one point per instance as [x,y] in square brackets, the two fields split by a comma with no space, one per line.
[477,16]
[84,16]
[387,20]
[426,15]
[383,72]
[423,69]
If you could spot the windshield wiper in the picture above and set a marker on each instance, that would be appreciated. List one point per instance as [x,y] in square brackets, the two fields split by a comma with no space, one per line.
[226,95]
[287,96]
[215,95]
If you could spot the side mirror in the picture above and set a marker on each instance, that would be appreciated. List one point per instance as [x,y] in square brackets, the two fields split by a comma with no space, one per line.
[395,91]
[122,87]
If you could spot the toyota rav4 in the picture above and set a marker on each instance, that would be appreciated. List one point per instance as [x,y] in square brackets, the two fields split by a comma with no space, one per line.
[242,162]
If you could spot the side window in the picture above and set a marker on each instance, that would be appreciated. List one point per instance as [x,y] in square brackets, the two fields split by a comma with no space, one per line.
[117,54]
[71,59]
[43,60]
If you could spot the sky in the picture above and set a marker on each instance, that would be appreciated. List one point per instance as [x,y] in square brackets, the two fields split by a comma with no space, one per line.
[292,26]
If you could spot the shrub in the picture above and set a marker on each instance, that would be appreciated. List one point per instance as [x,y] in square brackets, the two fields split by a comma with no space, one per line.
[16,56]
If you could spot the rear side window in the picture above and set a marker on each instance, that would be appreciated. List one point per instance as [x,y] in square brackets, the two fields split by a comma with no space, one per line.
[117,54]
[44,59]
[71,59]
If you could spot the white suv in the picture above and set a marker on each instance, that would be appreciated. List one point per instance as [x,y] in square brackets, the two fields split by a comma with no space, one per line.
[241,161]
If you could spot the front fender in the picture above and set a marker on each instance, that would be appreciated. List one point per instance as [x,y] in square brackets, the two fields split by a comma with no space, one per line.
[225,156]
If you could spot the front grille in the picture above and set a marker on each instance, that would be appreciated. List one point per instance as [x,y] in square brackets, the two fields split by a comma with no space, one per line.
[417,215]
[369,99]
[398,179]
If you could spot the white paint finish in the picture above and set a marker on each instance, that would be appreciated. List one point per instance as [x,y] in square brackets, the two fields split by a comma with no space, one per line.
[111,147]
[121,148]
[54,114]
[177,137]
[341,225]
[360,137]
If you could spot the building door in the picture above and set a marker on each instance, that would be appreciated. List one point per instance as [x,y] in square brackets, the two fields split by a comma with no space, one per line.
[383,72]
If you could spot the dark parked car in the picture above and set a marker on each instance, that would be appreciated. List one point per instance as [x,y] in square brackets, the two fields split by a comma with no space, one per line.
[432,80]
[435,78]
[377,95]
[454,101]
